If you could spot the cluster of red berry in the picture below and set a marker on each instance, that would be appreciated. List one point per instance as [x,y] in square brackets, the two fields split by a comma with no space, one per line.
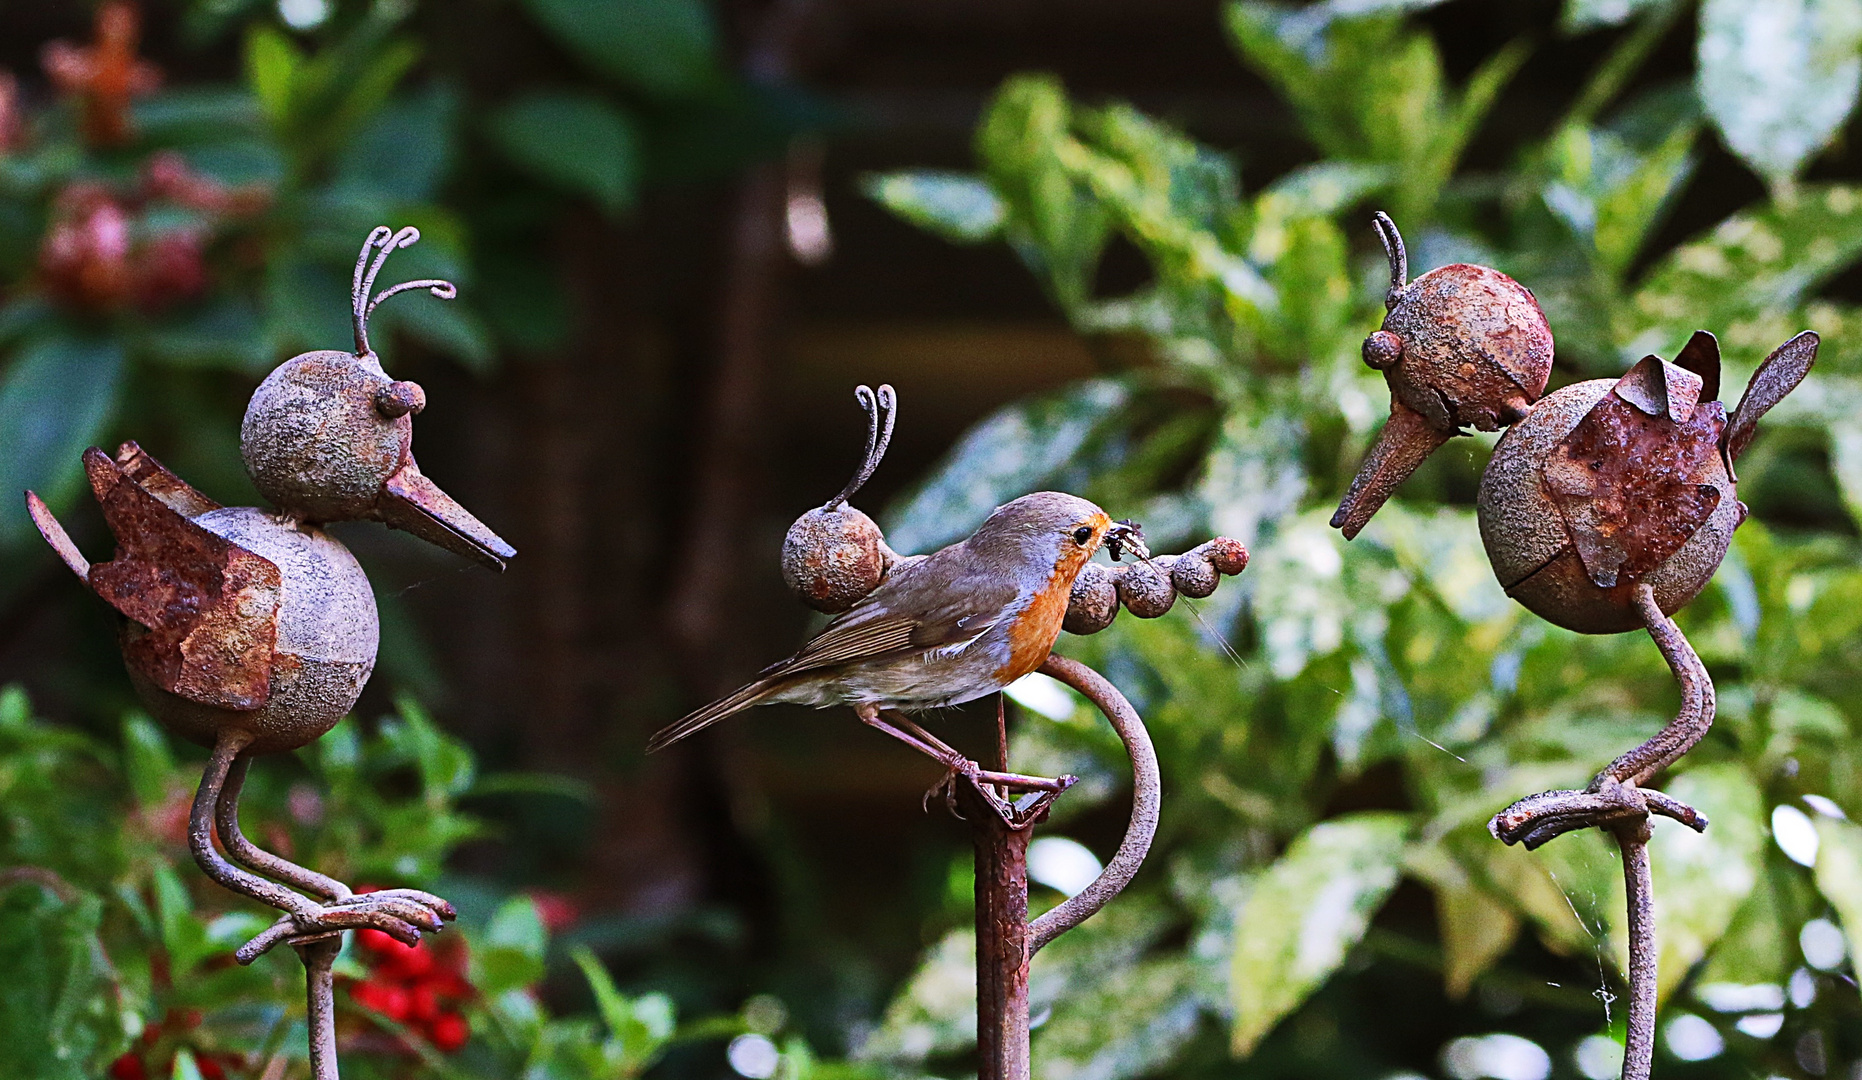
[152,1058]
[419,986]
[100,251]
[103,249]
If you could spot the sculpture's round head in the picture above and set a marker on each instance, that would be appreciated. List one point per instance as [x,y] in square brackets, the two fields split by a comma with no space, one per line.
[1461,346]
[328,435]
[834,555]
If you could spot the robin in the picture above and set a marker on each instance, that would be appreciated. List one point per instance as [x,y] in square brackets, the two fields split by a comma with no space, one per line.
[950,627]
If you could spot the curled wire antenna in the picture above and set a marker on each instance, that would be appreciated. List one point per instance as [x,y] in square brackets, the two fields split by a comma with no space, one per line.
[362,304]
[1393,250]
[883,405]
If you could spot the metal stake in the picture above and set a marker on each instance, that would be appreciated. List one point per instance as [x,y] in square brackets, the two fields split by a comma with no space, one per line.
[1005,940]
[318,952]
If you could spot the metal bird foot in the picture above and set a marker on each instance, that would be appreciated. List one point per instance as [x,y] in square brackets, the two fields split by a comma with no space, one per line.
[400,913]
[1607,804]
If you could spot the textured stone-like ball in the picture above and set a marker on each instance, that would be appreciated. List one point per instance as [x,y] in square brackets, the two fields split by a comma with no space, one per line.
[1532,552]
[1093,603]
[832,558]
[317,439]
[1475,348]
[327,636]
[1145,590]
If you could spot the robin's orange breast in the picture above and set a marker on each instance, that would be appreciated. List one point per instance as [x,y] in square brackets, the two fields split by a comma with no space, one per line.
[1032,633]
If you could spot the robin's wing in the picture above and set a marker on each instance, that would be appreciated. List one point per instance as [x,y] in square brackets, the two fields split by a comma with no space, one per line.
[922,606]
[916,612]
[210,606]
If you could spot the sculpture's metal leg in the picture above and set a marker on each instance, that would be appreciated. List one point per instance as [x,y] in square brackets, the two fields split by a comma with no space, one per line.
[319,955]
[1617,794]
[200,835]
[248,854]
[411,905]
[1639,1046]
[1617,803]
[393,915]
[1640,765]
[1005,940]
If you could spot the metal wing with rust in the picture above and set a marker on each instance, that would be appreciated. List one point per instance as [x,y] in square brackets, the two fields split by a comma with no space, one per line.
[209,606]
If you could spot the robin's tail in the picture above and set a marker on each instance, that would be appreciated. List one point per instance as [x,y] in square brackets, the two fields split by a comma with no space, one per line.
[736,701]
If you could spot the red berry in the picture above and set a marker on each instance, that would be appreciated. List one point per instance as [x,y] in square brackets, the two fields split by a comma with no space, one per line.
[407,962]
[128,1067]
[448,1032]
[377,941]
[451,985]
[422,1003]
[556,911]
[385,998]
[209,1068]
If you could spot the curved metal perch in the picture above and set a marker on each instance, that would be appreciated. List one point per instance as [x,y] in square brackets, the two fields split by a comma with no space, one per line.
[1617,803]
[1005,940]
[1146,800]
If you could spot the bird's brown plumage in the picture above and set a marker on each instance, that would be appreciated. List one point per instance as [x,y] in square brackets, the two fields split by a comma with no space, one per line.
[942,629]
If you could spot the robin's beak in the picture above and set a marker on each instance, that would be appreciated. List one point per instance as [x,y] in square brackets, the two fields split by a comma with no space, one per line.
[1406,442]
[1127,536]
[412,502]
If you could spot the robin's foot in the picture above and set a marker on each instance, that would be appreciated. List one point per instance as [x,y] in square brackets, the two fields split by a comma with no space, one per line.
[400,913]
[1536,819]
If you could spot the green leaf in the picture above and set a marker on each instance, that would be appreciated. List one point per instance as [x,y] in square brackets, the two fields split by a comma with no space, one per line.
[1056,227]
[959,207]
[58,1014]
[184,936]
[1701,879]
[935,1011]
[1004,457]
[446,765]
[147,762]
[185,1067]
[581,142]
[664,47]
[509,954]
[272,65]
[1477,930]
[56,399]
[1367,89]
[641,1027]
[452,329]
[1761,944]
[403,153]
[1254,474]
[1305,914]
[1751,275]
[1129,1021]
[1839,874]
[1779,77]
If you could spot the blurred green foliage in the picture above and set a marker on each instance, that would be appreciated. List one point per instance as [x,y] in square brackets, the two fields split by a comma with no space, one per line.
[158,254]
[200,233]
[1339,724]
[116,954]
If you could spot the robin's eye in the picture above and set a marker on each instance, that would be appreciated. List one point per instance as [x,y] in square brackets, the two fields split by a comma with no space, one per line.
[1083,535]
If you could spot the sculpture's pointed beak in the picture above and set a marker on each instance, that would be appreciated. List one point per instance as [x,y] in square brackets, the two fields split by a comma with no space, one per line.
[1405,442]
[412,502]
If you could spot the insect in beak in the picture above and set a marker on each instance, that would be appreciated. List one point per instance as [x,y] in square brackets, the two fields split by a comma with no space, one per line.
[1127,536]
